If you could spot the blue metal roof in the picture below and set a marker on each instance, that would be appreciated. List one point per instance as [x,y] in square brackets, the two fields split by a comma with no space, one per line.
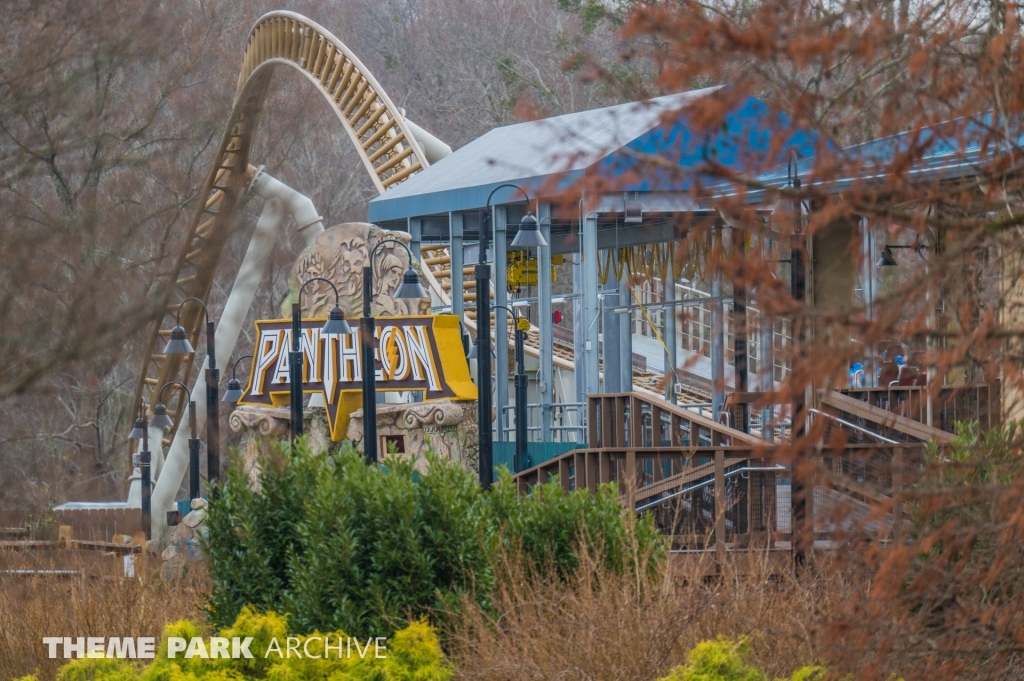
[947,150]
[613,145]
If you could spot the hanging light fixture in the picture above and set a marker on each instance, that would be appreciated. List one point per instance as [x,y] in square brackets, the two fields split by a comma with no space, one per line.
[234,391]
[139,430]
[887,259]
[336,324]
[178,344]
[529,235]
[160,417]
[411,287]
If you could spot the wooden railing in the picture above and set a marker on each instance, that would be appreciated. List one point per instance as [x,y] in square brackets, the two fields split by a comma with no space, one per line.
[709,486]
[634,420]
[952,403]
[886,423]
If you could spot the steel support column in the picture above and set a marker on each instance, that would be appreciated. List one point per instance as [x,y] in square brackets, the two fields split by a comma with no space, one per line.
[590,305]
[500,318]
[578,330]
[610,338]
[545,322]
[669,334]
[717,341]
[625,336]
[415,226]
[766,355]
[455,229]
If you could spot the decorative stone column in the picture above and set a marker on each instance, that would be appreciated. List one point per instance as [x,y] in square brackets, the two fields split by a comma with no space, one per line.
[447,428]
[261,425]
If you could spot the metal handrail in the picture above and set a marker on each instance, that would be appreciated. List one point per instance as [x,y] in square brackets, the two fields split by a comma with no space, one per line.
[560,411]
[705,483]
[854,426]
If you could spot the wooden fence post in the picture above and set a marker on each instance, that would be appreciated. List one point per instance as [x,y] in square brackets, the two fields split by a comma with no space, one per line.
[720,503]
[64,537]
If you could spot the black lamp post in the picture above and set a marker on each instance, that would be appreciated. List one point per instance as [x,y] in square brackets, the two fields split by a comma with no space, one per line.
[409,288]
[482,273]
[162,420]
[336,324]
[234,391]
[179,345]
[798,286]
[521,462]
[141,432]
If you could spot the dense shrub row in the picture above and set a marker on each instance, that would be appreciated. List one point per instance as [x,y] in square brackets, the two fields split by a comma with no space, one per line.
[414,653]
[336,544]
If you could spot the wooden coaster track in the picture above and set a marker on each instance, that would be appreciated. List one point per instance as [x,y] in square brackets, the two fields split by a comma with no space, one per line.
[374,124]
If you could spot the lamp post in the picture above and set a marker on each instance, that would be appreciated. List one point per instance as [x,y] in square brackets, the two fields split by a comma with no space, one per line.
[521,382]
[482,273]
[141,431]
[527,236]
[409,288]
[798,286]
[179,345]
[234,391]
[162,420]
[336,324]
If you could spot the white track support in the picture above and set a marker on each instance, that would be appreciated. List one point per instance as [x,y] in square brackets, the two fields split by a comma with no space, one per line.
[281,203]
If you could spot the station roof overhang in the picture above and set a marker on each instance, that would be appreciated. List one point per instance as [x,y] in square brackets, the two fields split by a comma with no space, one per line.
[947,151]
[661,147]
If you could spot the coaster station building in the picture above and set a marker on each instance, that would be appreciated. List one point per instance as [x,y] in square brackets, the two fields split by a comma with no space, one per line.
[643,364]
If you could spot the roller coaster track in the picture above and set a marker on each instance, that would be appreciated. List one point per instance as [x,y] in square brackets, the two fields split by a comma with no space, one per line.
[375,126]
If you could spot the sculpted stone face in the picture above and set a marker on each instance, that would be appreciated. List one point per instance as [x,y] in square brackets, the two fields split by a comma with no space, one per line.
[339,255]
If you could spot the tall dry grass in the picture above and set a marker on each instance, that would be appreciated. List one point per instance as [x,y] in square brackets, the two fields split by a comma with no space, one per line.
[640,624]
[100,604]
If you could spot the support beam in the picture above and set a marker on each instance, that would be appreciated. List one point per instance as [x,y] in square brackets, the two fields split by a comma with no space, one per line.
[578,329]
[610,338]
[416,232]
[455,227]
[625,336]
[766,358]
[590,304]
[500,318]
[545,323]
[717,341]
[669,334]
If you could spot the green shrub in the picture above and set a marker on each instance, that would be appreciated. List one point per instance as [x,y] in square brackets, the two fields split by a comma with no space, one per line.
[252,535]
[380,545]
[549,524]
[336,544]
[725,660]
[412,654]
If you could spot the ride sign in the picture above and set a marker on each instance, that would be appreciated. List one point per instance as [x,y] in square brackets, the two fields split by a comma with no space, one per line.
[423,354]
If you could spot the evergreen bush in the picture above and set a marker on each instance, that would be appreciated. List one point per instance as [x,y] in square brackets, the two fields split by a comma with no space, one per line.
[337,544]
[411,654]
[725,660]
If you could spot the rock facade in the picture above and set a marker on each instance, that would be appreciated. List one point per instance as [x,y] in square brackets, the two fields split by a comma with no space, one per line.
[185,536]
[448,428]
[339,254]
